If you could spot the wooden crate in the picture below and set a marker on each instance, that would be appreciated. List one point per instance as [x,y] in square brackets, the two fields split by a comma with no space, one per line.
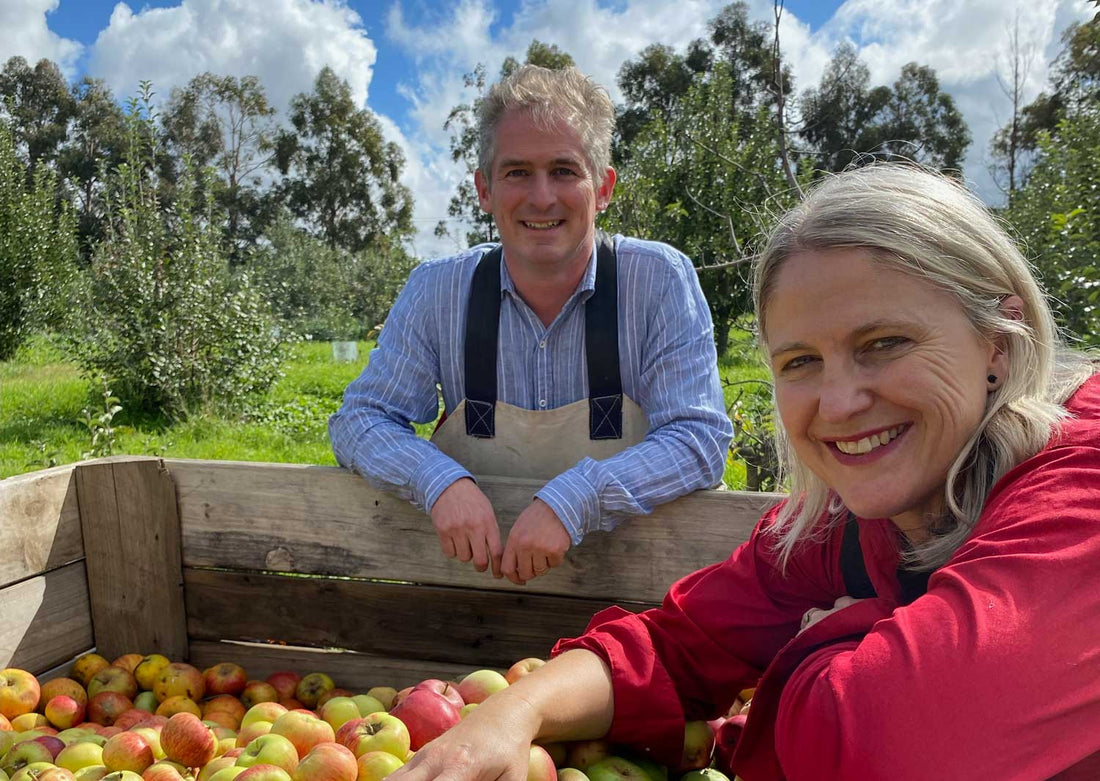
[308,568]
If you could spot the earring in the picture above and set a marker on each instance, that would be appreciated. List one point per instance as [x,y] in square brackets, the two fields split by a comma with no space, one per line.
[992,379]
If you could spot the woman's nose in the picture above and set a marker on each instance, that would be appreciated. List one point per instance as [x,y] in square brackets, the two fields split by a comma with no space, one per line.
[844,394]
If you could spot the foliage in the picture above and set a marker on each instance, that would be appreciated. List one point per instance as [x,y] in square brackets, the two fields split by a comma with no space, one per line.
[37,250]
[328,292]
[462,124]
[844,118]
[101,426]
[1057,216]
[753,415]
[39,105]
[340,176]
[162,318]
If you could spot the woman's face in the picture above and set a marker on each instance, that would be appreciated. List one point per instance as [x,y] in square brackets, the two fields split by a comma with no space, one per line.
[880,380]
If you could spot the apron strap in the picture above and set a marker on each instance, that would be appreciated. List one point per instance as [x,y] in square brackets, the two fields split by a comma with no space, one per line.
[601,344]
[482,325]
[854,570]
[601,337]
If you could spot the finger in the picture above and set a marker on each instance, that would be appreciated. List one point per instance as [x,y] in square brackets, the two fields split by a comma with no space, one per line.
[462,548]
[509,565]
[481,554]
[555,559]
[540,565]
[448,546]
[526,568]
[495,548]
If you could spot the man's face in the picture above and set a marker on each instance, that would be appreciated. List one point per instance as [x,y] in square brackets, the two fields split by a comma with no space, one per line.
[542,195]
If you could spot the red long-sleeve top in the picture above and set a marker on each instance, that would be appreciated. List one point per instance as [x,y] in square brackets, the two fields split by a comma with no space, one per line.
[994,673]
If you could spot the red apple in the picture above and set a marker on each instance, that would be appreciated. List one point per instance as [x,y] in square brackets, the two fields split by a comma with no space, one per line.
[62,687]
[127,751]
[185,739]
[19,692]
[162,772]
[113,679]
[256,692]
[304,730]
[522,668]
[224,678]
[445,688]
[327,762]
[427,714]
[265,773]
[285,683]
[107,706]
[24,753]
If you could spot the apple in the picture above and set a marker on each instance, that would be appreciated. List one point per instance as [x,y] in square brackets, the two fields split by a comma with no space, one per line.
[376,765]
[256,692]
[304,730]
[159,772]
[107,706]
[340,710]
[615,769]
[265,773]
[704,774]
[5,725]
[582,753]
[52,743]
[253,731]
[445,688]
[698,745]
[224,678]
[540,766]
[522,668]
[465,710]
[92,737]
[64,712]
[131,718]
[179,678]
[330,694]
[285,683]
[222,720]
[571,774]
[226,703]
[311,687]
[270,749]
[427,714]
[128,662]
[327,762]
[127,751]
[79,755]
[24,753]
[149,669]
[655,770]
[152,737]
[67,687]
[227,773]
[38,770]
[185,739]
[19,692]
[263,711]
[368,704]
[25,722]
[557,752]
[113,679]
[93,773]
[146,701]
[86,666]
[378,732]
[178,704]
[480,684]
[384,694]
[214,765]
[400,695]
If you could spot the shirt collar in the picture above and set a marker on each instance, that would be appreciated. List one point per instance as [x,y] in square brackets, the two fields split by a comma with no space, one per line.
[587,283]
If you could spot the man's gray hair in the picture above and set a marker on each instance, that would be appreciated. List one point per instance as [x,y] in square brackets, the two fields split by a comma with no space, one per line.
[550,97]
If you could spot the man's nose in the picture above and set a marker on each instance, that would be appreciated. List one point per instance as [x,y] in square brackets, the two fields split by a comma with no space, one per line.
[542,192]
[844,394]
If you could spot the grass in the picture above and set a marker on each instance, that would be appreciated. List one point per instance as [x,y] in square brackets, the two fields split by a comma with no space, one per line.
[42,396]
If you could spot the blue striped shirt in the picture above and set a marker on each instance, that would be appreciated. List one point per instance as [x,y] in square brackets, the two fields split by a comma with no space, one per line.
[667,362]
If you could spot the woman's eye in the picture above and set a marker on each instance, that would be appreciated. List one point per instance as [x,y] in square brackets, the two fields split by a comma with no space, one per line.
[797,362]
[887,343]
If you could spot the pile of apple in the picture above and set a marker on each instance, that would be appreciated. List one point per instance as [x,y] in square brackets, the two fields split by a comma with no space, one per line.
[146,718]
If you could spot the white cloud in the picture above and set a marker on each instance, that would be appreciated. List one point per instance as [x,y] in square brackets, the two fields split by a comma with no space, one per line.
[283,42]
[23,32]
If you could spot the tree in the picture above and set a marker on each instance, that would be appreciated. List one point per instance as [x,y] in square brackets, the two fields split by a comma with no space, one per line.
[39,105]
[340,176]
[227,123]
[462,124]
[844,119]
[1006,146]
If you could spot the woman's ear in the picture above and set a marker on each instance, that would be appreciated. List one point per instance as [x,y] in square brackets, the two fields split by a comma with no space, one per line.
[1011,307]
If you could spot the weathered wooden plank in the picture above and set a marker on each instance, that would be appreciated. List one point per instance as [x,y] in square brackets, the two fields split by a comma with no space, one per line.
[354,671]
[475,627]
[132,543]
[324,520]
[45,620]
[39,523]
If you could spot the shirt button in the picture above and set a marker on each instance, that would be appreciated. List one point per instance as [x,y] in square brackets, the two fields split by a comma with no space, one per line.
[542,345]
[542,402]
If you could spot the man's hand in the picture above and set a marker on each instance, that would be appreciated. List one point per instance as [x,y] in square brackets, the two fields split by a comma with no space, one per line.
[538,541]
[467,526]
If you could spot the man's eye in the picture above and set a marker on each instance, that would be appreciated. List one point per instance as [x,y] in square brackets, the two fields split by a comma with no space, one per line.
[561,171]
[515,172]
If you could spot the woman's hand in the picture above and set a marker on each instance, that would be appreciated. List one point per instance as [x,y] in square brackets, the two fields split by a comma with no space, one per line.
[492,742]
[815,614]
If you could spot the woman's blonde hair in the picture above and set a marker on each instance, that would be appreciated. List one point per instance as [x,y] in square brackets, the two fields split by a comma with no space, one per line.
[928,225]
[550,96]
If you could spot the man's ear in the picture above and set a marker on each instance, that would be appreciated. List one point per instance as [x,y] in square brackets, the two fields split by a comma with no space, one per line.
[606,188]
[483,196]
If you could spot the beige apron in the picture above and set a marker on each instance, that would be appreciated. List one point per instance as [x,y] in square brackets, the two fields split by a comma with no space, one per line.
[536,444]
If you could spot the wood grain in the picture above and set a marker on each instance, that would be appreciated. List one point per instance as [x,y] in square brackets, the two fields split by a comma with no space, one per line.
[46,620]
[132,543]
[430,623]
[324,520]
[354,671]
[39,523]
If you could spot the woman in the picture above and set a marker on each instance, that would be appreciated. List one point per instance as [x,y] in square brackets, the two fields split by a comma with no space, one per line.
[930,417]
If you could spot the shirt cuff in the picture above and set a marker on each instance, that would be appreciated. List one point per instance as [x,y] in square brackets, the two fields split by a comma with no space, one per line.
[434,476]
[575,501]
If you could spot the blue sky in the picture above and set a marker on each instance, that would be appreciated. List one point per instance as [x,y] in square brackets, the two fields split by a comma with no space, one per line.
[404,59]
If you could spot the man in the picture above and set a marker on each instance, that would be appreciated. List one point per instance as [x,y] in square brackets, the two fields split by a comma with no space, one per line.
[563,354]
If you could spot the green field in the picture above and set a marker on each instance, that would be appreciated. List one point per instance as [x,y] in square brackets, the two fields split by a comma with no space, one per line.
[42,397]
